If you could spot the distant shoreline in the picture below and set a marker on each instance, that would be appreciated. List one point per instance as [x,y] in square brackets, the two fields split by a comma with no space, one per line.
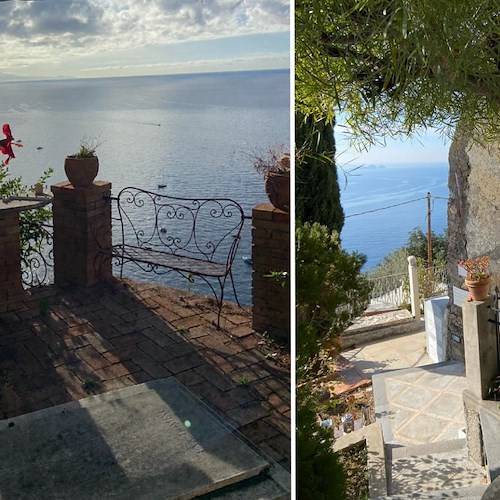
[173,75]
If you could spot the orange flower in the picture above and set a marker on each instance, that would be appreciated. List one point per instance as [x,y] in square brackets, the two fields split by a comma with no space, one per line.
[477,268]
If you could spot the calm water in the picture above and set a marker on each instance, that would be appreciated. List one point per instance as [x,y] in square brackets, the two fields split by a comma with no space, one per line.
[377,186]
[192,132]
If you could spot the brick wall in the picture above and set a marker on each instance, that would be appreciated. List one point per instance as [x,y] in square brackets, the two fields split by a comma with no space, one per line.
[11,290]
[270,252]
[82,229]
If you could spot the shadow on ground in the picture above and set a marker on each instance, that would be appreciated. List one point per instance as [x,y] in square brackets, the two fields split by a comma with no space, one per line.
[68,344]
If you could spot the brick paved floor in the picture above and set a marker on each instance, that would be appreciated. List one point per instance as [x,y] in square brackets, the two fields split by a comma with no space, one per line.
[68,344]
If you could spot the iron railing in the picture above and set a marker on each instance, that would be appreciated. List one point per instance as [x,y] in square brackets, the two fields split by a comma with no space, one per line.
[37,258]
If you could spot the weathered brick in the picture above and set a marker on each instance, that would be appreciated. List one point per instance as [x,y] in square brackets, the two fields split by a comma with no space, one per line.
[92,357]
[151,366]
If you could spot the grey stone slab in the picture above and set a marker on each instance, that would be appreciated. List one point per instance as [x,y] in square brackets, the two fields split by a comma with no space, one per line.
[446,405]
[437,380]
[415,397]
[423,428]
[458,386]
[394,387]
[150,441]
[453,431]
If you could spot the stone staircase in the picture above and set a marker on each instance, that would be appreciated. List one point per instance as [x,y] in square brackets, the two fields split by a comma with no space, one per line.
[436,470]
[153,440]
[407,406]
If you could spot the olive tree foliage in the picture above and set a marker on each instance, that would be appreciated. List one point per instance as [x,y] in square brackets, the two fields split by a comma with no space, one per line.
[394,67]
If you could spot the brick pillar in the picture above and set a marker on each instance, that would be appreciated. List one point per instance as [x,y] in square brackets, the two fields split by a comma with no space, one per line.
[270,252]
[11,289]
[82,231]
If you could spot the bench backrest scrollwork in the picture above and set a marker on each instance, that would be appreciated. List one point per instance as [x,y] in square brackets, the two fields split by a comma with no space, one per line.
[202,228]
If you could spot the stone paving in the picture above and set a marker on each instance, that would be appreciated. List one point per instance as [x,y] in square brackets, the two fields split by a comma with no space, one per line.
[68,344]
[421,405]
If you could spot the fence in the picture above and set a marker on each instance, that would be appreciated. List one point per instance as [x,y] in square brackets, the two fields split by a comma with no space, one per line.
[395,288]
[392,289]
[37,256]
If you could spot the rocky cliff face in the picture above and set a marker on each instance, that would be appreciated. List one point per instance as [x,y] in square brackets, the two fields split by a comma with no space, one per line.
[473,220]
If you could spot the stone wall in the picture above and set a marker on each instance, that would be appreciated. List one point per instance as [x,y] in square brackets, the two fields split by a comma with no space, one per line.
[270,252]
[473,221]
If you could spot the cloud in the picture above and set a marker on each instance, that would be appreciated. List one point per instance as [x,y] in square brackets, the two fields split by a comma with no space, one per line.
[188,66]
[38,30]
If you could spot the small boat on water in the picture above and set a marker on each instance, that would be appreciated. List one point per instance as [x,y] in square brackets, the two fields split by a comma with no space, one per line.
[247,260]
[162,184]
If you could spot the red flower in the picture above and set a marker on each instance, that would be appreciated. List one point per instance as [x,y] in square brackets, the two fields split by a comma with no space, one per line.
[6,144]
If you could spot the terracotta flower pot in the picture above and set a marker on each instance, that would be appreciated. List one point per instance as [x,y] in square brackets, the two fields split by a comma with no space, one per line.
[478,290]
[81,172]
[278,190]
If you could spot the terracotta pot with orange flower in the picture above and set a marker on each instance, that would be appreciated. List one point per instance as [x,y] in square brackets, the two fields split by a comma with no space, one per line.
[477,279]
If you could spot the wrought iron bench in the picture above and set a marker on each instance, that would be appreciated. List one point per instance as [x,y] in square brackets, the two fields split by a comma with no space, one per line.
[193,237]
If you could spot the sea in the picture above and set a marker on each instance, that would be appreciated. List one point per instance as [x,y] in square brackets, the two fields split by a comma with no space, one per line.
[379,206]
[196,133]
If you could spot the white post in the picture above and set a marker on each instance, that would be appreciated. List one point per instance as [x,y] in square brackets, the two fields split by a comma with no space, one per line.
[414,293]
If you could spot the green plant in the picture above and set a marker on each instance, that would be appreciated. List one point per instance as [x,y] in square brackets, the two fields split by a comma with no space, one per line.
[32,234]
[317,192]
[321,476]
[331,291]
[89,384]
[182,329]
[243,380]
[395,67]
[87,148]
[279,277]
[43,306]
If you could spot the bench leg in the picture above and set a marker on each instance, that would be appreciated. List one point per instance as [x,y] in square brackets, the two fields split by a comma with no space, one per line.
[220,301]
[234,288]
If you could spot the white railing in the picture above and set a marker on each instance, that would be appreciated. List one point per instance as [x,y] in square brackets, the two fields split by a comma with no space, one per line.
[392,289]
[419,282]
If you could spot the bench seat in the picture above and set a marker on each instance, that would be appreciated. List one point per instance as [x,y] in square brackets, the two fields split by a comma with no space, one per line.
[190,265]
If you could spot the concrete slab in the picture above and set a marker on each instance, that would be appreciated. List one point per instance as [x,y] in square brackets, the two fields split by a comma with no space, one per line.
[394,353]
[149,441]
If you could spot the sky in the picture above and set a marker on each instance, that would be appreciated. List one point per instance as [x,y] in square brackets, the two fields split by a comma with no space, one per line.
[100,38]
[426,146]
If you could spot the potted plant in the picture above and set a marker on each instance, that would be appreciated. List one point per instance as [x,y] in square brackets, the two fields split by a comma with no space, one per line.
[478,277]
[82,167]
[275,167]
